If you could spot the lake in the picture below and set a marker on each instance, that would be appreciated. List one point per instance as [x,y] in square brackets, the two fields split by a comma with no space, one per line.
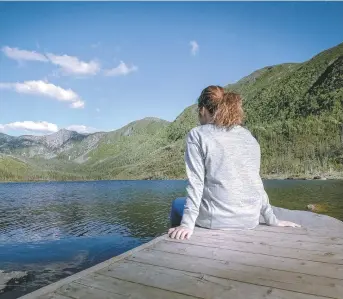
[56,229]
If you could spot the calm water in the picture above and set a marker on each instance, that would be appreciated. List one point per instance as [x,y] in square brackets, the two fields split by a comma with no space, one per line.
[56,229]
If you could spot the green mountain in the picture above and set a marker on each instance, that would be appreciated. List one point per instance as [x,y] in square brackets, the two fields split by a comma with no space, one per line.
[295,110]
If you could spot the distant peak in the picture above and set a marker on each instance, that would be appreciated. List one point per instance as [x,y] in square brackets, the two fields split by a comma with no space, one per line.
[154,119]
[64,130]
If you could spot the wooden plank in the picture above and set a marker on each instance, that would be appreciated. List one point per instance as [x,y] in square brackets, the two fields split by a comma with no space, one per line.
[300,231]
[80,291]
[262,248]
[197,285]
[128,289]
[53,296]
[283,241]
[336,240]
[250,274]
[285,230]
[54,286]
[277,263]
[275,236]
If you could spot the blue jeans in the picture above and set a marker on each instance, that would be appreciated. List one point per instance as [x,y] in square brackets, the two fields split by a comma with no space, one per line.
[176,213]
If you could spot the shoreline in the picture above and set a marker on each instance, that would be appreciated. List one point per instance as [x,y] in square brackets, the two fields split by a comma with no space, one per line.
[283,177]
[305,177]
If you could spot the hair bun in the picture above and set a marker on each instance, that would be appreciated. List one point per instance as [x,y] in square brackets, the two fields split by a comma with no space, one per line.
[218,93]
[225,107]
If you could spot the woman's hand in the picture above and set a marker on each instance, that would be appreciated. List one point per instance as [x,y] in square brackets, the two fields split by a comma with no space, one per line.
[180,233]
[287,224]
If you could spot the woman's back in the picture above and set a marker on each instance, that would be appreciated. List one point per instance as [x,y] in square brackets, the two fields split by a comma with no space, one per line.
[232,189]
[225,190]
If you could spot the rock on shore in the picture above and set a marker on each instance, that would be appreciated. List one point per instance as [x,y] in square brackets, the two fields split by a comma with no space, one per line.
[11,279]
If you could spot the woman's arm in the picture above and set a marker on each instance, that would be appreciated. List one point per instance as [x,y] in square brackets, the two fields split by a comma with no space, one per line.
[269,216]
[267,210]
[195,172]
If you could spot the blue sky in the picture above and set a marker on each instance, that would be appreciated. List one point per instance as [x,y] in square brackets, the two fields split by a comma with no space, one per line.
[98,66]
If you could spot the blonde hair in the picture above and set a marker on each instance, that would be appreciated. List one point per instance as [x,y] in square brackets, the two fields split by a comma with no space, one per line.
[225,107]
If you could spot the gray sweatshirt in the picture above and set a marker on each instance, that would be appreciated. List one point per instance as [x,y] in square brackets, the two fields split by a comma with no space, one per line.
[225,190]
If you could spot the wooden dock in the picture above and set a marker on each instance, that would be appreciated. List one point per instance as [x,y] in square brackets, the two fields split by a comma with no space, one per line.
[268,263]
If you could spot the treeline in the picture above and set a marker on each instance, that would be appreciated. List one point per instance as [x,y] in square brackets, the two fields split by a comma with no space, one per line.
[309,146]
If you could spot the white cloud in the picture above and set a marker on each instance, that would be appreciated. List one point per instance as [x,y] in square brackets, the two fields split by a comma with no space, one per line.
[97,110]
[69,65]
[194,47]
[121,70]
[46,89]
[81,129]
[73,65]
[21,55]
[78,104]
[31,126]
[42,127]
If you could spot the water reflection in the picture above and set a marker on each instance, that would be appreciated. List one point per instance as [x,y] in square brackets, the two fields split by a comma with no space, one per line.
[296,195]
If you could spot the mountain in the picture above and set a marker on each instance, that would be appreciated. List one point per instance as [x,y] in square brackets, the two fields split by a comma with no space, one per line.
[67,154]
[295,110]
[70,145]
[290,91]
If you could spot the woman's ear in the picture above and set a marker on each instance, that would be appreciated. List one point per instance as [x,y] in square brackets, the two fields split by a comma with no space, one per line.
[201,111]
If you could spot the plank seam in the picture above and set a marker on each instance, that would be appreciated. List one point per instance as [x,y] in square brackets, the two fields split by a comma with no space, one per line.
[224,248]
[223,238]
[303,241]
[146,285]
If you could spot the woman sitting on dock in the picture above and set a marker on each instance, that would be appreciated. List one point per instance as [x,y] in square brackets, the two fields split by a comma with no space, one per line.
[225,190]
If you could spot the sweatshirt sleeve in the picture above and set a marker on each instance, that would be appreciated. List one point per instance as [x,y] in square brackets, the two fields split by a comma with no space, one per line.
[267,210]
[195,172]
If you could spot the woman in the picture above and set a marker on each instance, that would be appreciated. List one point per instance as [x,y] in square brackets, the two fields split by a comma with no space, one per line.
[225,190]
